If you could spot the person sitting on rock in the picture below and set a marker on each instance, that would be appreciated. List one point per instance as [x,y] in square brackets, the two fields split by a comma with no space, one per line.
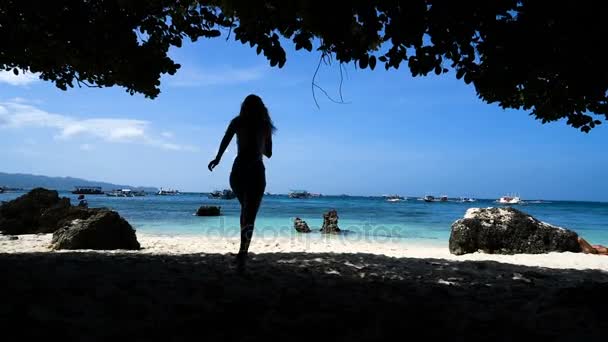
[82,202]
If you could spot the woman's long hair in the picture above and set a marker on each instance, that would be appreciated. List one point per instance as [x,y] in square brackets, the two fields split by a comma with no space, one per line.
[254,114]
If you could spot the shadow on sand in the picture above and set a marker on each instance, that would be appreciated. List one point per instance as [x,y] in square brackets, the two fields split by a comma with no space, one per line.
[293,296]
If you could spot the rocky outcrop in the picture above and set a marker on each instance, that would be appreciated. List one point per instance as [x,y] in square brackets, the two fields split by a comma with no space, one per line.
[301,226]
[39,211]
[508,231]
[28,214]
[104,229]
[330,222]
[208,210]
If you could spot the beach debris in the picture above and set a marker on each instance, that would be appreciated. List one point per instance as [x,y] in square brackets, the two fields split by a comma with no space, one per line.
[359,267]
[330,222]
[445,282]
[519,276]
[508,231]
[332,271]
[208,210]
[301,226]
[104,230]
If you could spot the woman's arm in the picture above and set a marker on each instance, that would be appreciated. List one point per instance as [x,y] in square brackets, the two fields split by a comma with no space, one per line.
[230,131]
[268,145]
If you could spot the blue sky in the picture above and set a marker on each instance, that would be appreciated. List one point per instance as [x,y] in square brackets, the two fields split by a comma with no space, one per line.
[396,134]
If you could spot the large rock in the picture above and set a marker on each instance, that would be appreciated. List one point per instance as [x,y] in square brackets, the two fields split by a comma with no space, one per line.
[301,225]
[330,222]
[208,210]
[23,215]
[39,211]
[104,229]
[508,231]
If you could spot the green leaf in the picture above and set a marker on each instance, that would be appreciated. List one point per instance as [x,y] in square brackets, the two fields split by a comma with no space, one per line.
[372,62]
[363,62]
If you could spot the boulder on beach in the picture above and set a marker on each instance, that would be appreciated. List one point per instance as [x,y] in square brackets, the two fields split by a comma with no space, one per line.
[301,226]
[208,210]
[23,215]
[104,230]
[508,231]
[40,211]
[330,222]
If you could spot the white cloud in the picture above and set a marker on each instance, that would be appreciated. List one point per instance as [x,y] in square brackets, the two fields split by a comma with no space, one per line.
[167,134]
[19,115]
[24,78]
[195,77]
[86,147]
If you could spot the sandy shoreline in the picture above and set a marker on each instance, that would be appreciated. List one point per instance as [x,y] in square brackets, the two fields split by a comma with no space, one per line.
[193,244]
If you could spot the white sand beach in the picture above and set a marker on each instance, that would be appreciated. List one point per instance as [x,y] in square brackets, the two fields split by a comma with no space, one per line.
[192,244]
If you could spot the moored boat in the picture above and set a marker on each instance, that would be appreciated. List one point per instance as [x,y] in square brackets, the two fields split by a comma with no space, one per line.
[509,200]
[87,190]
[299,194]
[226,194]
[394,198]
[167,192]
[467,200]
[120,193]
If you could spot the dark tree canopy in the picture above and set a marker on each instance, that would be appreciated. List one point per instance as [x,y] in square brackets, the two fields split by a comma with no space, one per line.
[546,58]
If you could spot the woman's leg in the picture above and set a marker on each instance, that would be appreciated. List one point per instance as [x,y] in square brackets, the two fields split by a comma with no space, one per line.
[249,211]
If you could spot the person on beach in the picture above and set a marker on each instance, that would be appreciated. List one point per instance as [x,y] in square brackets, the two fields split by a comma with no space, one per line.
[253,128]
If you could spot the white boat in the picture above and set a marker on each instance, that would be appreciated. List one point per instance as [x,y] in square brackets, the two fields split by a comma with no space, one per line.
[509,200]
[428,198]
[443,198]
[224,194]
[394,198]
[120,193]
[467,200]
[167,192]
[299,194]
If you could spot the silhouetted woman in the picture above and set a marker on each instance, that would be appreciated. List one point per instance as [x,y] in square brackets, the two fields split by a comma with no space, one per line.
[253,128]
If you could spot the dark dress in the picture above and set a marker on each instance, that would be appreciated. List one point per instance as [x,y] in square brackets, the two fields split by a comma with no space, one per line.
[248,176]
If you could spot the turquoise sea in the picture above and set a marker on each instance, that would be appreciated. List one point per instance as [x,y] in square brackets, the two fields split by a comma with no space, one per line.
[370,218]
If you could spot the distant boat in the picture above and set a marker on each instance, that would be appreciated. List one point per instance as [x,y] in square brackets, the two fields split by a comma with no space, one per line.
[299,194]
[509,200]
[87,190]
[167,192]
[139,193]
[428,198]
[1,190]
[467,200]
[224,194]
[120,193]
[394,198]
[443,198]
